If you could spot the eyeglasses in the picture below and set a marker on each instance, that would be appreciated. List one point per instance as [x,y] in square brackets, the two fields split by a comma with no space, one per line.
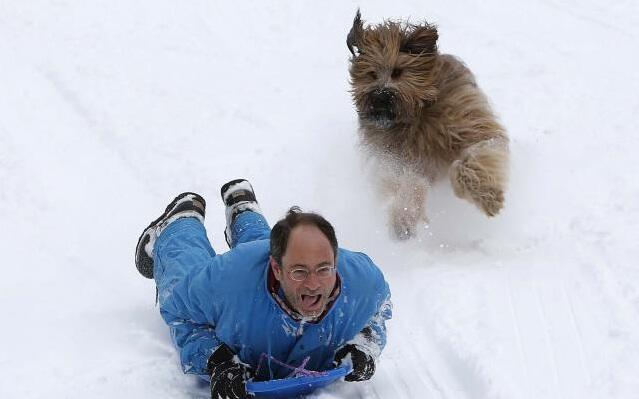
[301,274]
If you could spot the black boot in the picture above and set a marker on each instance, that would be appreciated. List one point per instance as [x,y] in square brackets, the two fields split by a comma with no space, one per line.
[238,196]
[184,205]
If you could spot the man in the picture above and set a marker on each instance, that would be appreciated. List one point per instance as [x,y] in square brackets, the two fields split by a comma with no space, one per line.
[278,296]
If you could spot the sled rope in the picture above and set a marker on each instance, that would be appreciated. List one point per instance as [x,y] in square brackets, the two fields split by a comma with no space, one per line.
[298,371]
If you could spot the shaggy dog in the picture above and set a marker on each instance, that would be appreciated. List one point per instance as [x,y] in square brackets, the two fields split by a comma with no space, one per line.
[422,114]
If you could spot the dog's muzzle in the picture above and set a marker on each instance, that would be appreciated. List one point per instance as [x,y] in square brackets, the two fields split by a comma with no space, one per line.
[381,108]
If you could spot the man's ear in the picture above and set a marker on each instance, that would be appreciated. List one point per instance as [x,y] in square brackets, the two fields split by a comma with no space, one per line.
[277,269]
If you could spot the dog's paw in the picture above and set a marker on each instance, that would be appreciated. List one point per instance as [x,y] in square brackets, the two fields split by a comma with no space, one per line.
[404,222]
[491,201]
[473,183]
[403,230]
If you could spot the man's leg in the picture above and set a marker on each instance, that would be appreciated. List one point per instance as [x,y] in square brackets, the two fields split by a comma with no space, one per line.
[180,250]
[185,205]
[244,219]
[249,226]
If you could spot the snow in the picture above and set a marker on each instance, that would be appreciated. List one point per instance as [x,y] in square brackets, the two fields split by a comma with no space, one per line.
[111,108]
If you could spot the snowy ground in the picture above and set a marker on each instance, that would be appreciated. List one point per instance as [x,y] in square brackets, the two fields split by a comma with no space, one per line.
[110,108]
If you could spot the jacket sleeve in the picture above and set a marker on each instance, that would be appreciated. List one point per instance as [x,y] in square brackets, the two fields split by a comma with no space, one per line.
[372,338]
[187,292]
[195,343]
[188,308]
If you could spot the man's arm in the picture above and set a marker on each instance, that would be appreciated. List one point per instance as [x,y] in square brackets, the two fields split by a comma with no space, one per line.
[364,349]
[193,284]
[201,352]
[187,291]
[372,338]
[195,343]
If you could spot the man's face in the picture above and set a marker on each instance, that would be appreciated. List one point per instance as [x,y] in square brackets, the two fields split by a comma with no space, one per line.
[308,250]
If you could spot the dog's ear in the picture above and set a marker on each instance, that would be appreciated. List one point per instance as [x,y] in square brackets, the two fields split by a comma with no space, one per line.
[420,39]
[354,37]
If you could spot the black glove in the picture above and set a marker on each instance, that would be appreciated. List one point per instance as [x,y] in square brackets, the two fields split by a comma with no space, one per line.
[228,375]
[363,363]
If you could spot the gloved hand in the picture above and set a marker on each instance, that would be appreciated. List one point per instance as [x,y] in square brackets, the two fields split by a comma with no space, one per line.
[228,375]
[363,363]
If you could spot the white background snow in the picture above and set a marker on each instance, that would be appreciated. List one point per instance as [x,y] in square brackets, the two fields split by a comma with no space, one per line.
[108,109]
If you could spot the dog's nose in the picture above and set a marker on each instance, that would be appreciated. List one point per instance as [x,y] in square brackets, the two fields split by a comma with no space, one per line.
[381,98]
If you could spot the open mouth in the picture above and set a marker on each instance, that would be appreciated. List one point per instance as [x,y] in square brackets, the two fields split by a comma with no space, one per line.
[384,123]
[310,301]
[381,119]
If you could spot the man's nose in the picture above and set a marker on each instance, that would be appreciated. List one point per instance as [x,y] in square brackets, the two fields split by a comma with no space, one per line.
[312,282]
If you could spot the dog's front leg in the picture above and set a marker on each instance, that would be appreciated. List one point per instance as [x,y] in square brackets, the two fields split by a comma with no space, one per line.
[407,208]
[480,174]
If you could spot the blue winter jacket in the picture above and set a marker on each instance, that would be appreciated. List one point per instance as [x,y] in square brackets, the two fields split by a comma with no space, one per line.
[209,299]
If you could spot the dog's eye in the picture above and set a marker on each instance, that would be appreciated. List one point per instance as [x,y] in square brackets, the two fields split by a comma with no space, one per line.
[396,73]
[372,75]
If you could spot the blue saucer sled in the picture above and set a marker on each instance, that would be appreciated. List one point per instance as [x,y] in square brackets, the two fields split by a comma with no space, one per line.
[294,387]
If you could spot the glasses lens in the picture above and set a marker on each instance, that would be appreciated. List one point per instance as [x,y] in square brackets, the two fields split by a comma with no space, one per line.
[324,272]
[299,274]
